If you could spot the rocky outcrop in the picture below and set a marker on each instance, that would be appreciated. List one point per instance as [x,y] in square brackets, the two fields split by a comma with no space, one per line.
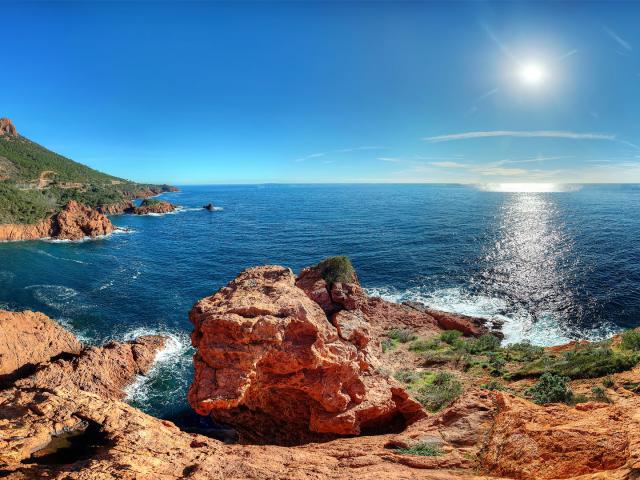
[7,128]
[29,338]
[209,206]
[383,315]
[105,371]
[271,363]
[117,208]
[74,222]
[77,221]
[156,206]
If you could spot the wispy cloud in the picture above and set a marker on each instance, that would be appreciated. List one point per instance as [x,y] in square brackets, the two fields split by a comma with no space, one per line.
[532,159]
[449,164]
[356,149]
[500,171]
[309,157]
[341,150]
[618,39]
[570,53]
[520,133]
[389,159]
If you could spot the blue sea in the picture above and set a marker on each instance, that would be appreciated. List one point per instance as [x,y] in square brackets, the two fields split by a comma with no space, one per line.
[553,266]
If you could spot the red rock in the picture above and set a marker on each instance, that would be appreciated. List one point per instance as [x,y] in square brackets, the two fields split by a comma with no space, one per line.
[74,222]
[116,208]
[158,206]
[105,371]
[28,338]
[269,362]
[7,128]
[558,441]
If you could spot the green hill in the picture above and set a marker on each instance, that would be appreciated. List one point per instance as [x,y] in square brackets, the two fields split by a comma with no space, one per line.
[36,182]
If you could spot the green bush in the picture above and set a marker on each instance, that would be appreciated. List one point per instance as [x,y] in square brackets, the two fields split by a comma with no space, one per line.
[407,376]
[631,340]
[24,206]
[483,344]
[420,346]
[402,335]
[550,389]
[523,352]
[424,449]
[337,269]
[451,337]
[387,345]
[599,394]
[493,385]
[608,382]
[443,390]
[590,361]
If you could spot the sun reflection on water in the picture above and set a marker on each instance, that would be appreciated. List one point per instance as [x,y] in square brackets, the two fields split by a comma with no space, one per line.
[527,264]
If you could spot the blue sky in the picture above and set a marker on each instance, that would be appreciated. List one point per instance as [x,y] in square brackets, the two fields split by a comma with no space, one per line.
[330,92]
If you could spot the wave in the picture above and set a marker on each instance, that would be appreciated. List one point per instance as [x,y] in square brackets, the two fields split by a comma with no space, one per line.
[518,324]
[59,297]
[170,375]
[42,252]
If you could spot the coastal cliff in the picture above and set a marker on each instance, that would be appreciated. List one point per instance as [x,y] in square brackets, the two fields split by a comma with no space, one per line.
[74,222]
[36,184]
[287,359]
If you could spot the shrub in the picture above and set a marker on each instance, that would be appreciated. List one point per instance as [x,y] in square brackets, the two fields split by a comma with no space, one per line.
[407,376]
[550,389]
[599,394]
[608,382]
[523,352]
[443,390]
[424,449]
[452,337]
[631,340]
[387,344]
[402,335]
[483,344]
[424,345]
[337,269]
[493,385]
[591,361]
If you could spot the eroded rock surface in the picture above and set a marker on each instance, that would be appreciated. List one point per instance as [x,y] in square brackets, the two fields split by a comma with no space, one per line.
[7,127]
[270,362]
[29,338]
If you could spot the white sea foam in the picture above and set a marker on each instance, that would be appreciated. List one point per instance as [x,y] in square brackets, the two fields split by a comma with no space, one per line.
[7,276]
[172,362]
[517,324]
[42,252]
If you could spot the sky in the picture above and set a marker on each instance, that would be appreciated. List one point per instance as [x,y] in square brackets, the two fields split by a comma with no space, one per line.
[204,92]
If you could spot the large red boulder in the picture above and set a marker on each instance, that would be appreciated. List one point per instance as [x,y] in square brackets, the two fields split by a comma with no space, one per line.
[270,362]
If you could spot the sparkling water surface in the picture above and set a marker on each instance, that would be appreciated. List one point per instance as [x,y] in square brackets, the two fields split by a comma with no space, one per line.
[554,266]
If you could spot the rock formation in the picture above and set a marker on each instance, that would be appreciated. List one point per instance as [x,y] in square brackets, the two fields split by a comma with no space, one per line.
[209,206]
[74,222]
[155,206]
[29,338]
[270,362]
[7,128]
[116,208]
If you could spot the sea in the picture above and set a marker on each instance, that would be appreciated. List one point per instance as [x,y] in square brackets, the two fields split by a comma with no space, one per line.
[554,266]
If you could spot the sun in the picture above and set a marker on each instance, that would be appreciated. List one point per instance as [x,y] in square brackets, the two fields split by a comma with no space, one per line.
[533,74]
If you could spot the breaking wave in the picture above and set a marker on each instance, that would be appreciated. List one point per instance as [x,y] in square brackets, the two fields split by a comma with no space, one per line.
[517,324]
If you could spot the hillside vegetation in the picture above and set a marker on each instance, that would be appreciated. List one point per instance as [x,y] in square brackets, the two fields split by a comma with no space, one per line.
[36,182]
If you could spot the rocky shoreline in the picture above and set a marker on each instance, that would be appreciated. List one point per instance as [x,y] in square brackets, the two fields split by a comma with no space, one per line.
[312,373]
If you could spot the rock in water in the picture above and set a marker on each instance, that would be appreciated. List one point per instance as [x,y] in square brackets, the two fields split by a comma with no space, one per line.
[209,206]
[270,362]
[153,206]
